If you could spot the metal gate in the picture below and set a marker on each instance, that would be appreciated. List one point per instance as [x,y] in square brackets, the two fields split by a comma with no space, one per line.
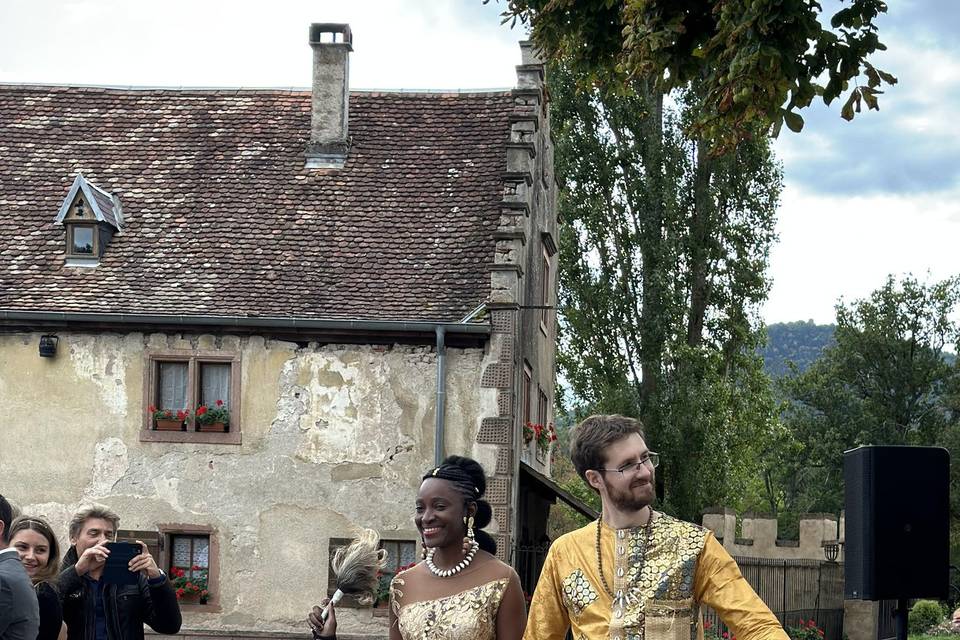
[796,591]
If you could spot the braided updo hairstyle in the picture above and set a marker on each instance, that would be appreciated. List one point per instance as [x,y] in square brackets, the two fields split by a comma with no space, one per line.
[468,477]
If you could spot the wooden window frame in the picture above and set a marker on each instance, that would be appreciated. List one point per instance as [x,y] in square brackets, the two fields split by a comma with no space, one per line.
[193,358]
[71,226]
[525,393]
[543,406]
[167,531]
[152,539]
[545,294]
[349,601]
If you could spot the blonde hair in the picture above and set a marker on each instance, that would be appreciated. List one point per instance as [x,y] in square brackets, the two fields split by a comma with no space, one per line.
[49,572]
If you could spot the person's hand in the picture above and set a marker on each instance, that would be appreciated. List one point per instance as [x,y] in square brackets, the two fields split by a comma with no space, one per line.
[144,563]
[92,559]
[323,628]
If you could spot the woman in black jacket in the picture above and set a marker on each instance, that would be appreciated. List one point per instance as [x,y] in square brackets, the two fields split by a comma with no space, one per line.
[38,550]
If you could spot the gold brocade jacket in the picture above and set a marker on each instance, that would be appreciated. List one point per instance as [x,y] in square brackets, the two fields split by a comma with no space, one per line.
[658,587]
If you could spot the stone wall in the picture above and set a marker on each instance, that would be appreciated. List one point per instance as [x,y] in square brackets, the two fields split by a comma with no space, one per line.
[522,342]
[759,539]
[333,436]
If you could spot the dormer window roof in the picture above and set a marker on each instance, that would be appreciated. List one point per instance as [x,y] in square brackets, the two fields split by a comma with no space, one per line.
[90,217]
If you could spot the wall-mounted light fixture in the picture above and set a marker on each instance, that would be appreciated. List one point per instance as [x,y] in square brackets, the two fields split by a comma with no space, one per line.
[48,346]
[831,550]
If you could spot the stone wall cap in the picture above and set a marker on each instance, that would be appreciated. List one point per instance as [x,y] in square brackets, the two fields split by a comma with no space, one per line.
[752,515]
[719,510]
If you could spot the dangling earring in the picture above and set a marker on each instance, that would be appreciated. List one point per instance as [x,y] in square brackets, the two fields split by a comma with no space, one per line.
[423,549]
[468,541]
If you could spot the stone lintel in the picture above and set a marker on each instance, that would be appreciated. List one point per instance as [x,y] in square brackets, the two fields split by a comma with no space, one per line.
[511,233]
[510,206]
[518,118]
[517,177]
[529,147]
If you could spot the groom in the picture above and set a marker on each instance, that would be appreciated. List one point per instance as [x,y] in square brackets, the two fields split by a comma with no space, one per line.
[636,573]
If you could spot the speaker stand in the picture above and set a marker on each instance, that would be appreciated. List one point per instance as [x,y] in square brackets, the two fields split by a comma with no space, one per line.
[900,614]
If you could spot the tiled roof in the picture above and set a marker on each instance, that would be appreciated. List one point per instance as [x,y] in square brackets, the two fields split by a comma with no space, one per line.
[221,218]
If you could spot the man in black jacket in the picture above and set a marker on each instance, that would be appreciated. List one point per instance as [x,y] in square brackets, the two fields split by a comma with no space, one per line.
[19,615]
[97,611]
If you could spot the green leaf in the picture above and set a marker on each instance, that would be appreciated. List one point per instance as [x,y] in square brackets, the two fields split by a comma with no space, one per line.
[889,79]
[847,112]
[794,121]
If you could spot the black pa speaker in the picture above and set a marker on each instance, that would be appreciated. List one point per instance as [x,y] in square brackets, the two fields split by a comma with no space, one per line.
[897,533]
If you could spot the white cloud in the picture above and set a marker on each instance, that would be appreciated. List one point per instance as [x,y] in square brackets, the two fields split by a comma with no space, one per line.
[847,246]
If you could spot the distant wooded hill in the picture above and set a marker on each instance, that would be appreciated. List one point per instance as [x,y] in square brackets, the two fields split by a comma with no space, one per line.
[800,342]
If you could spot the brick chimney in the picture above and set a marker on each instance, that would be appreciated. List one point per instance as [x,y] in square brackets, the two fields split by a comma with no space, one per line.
[332,44]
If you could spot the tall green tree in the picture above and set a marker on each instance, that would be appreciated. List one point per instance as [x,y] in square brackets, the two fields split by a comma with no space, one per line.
[664,250]
[887,380]
[759,62]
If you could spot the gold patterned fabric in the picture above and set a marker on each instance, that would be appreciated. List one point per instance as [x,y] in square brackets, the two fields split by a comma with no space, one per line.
[468,615]
[659,582]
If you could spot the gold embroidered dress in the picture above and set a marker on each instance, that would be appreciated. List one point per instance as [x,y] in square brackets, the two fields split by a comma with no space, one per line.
[659,580]
[468,615]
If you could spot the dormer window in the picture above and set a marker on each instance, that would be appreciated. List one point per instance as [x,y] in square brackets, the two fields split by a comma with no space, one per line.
[82,239]
[90,216]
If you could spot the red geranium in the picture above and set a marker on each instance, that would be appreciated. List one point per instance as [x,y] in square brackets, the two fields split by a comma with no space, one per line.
[168,414]
[212,414]
[190,585]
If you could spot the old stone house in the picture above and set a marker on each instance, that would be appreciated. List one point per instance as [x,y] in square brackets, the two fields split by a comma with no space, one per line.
[364,280]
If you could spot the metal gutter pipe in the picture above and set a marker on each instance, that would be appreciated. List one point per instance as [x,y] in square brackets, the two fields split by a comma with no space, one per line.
[441,395]
[242,322]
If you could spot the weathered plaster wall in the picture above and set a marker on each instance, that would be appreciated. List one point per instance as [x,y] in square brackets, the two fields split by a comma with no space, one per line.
[333,436]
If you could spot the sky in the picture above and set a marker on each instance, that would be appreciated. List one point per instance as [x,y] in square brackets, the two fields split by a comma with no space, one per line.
[862,200]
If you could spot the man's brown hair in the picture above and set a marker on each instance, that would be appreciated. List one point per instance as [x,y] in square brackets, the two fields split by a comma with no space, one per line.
[80,518]
[592,436]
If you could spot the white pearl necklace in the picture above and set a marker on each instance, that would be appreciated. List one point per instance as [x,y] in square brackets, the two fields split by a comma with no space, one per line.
[463,564]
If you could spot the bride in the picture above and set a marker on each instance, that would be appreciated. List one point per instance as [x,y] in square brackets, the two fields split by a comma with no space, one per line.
[461,591]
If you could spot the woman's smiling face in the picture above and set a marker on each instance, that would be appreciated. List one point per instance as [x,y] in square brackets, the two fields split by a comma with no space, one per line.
[440,513]
[33,549]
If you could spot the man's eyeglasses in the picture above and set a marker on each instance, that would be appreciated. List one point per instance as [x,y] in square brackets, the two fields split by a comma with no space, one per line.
[651,459]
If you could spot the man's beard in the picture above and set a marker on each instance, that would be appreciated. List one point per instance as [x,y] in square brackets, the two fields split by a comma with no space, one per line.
[631,498]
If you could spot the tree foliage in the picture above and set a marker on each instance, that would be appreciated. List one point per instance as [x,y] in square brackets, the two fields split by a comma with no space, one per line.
[663,256]
[759,62]
[886,381]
